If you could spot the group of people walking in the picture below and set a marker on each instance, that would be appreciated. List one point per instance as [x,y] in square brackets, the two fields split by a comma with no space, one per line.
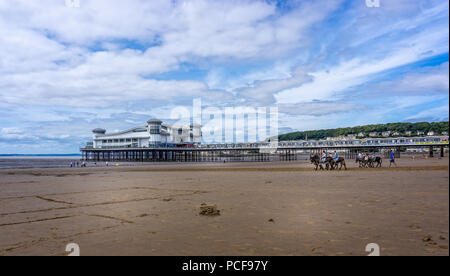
[363,158]
[366,159]
[77,164]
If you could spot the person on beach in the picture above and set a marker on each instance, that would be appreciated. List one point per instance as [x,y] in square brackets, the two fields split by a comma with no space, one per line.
[324,156]
[392,159]
[336,156]
[71,164]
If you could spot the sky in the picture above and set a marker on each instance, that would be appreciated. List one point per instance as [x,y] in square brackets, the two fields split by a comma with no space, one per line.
[67,67]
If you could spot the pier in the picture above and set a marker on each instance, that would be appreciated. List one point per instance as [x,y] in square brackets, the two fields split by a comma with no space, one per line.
[217,153]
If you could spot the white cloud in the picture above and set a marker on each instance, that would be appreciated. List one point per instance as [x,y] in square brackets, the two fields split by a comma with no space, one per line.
[436,114]
[428,81]
[319,108]
[47,59]
[329,82]
[12,133]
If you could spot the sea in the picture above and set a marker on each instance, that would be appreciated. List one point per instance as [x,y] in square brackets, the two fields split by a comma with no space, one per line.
[37,161]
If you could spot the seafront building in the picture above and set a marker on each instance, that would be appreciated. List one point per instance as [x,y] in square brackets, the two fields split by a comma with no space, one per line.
[154,134]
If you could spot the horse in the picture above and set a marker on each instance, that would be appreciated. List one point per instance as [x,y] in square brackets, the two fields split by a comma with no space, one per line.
[361,161]
[377,160]
[369,162]
[340,161]
[330,163]
[315,159]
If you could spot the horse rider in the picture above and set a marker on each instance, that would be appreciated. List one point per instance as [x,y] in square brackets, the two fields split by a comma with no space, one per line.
[360,156]
[324,157]
[366,157]
[336,156]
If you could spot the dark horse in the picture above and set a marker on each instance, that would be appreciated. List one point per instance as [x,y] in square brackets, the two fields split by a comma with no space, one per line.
[340,161]
[378,161]
[330,163]
[315,159]
[362,162]
[370,162]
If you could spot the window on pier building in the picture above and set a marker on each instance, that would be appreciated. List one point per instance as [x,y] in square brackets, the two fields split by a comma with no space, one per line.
[155,130]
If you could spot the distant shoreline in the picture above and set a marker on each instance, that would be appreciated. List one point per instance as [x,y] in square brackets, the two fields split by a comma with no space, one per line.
[38,155]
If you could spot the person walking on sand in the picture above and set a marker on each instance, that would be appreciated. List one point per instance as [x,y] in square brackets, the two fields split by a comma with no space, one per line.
[392,159]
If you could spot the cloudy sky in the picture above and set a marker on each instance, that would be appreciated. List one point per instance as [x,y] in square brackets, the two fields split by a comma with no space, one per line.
[65,70]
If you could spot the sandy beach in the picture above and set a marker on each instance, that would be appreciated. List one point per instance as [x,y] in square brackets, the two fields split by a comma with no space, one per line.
[265,209]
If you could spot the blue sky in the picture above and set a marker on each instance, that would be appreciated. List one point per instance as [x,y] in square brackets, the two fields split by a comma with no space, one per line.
[115,64]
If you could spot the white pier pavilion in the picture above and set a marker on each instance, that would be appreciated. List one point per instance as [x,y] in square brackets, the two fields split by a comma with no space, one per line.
[154,134]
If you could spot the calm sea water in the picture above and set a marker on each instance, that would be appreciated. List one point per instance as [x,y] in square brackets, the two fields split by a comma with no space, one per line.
[26,162]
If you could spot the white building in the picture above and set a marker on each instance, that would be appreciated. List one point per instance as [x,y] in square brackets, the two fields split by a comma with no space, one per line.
[154,134]
[386,133]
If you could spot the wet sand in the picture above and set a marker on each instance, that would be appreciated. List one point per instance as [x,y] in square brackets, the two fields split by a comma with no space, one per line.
[265,209]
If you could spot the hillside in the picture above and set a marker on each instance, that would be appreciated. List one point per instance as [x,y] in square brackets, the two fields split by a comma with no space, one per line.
[401,128]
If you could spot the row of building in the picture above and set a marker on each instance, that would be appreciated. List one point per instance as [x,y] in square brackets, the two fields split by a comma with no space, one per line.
[385,134]
[394,141]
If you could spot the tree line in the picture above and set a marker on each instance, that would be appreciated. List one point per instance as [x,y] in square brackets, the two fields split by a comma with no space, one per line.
[402,128]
